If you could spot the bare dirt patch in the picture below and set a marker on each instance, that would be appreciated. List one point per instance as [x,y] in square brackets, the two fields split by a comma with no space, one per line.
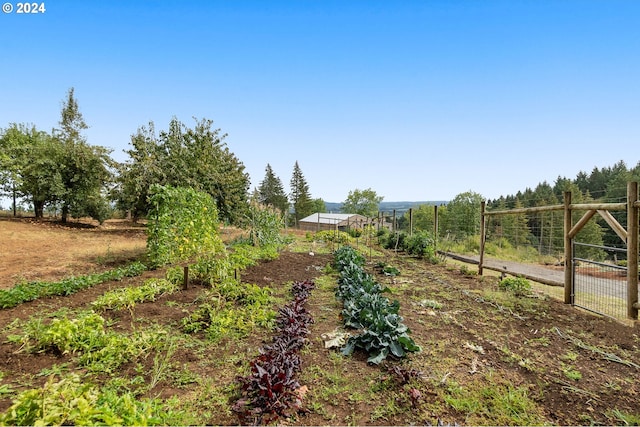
[49,250]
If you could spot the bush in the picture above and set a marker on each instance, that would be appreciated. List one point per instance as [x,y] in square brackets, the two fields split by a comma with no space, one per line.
[394,241]
[339,237]
[355,232]
[422,245]
[265,225]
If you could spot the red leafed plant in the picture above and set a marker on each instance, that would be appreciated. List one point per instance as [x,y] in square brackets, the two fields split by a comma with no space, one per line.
[271,390]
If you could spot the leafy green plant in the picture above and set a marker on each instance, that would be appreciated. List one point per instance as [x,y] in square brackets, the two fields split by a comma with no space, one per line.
[85,336]
[211,268]
[519,286]
[127,298]
[384,335]
[429,303]
[365,308]
[65,335]
[232,310]
[183,223]
[346,255]
[571,372]
[265,225]
[30,291]
[390,271]
[387,270]
[74,401]
[331,236]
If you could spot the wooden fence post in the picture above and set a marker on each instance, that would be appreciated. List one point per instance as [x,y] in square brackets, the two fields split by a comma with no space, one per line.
[632,250]
[185,282]
[568,250]
[435,227]
[482,236]
[410,221]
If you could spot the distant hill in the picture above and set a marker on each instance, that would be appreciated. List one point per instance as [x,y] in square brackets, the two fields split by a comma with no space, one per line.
[400,207]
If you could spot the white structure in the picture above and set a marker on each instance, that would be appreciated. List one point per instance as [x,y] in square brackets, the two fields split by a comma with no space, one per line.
[332,221]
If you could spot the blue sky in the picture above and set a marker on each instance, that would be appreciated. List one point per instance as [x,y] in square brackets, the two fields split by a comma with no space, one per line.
[417,100]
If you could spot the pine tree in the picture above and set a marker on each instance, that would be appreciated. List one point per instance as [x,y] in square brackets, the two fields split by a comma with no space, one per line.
[86,170]
[520,232]
[271,192]
[300,197]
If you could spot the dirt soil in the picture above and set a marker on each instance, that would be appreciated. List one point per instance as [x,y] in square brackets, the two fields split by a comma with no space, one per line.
[48,250]
[573,367]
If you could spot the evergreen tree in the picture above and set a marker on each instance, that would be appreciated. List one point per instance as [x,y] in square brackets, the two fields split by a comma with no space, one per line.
[86,170]
[592,233]
[72,122]
[300,196]
[271,192]
[519,234]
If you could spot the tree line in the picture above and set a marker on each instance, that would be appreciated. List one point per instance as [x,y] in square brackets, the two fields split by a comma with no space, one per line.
[460,218]
[60,171]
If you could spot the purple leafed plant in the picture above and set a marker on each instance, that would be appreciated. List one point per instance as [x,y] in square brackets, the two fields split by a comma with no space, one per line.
[271,390]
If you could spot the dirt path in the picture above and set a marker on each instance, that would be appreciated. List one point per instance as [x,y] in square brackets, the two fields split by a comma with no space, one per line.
[553,275]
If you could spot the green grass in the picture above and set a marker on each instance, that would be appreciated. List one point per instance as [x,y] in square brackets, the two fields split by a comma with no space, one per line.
[497,402]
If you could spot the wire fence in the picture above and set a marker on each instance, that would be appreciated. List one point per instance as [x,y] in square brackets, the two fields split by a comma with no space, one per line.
[600,287]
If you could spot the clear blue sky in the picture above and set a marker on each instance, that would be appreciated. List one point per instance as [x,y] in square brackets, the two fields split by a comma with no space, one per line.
[418,100]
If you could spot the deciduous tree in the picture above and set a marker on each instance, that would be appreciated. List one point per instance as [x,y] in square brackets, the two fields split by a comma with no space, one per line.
[195,157]
[362,202]
[464,213]
[30,166]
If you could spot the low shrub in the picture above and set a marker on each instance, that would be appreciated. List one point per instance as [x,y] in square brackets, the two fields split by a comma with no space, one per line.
[331,236]
[519,286]
[422,245]
[394,241]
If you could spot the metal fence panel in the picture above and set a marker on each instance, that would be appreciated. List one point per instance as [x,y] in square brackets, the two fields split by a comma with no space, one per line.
[600,287]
